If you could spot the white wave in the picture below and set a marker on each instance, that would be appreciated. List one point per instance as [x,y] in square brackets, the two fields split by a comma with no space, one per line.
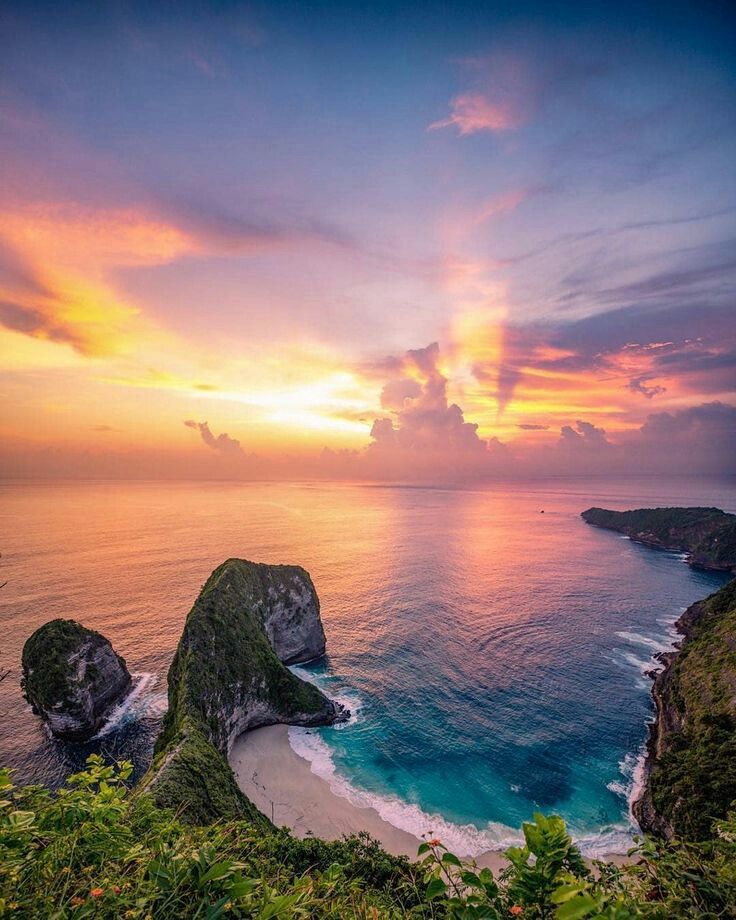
[643,665]
[346,696]
[631,784]
[140,702]
[612,840]
[635,638]
[638,778]
[463,839]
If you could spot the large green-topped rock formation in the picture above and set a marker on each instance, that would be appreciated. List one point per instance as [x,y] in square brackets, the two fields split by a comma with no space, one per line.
[691,763]
[707,535]
[72,678]
[229,675]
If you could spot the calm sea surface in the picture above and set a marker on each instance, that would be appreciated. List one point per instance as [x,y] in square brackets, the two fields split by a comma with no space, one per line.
[495,657]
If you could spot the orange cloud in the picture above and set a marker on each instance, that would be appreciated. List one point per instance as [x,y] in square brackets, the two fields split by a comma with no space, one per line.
[67,294]
[474,112]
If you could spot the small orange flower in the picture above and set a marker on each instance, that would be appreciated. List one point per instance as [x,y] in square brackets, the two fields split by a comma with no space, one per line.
[77,901]
[516,910]
[97,892]
[116,889]
[434,842]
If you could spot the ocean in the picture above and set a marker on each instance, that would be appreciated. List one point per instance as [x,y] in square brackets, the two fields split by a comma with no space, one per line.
[492,647]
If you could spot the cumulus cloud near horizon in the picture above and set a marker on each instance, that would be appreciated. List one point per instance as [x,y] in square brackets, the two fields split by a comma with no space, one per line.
[221,442]
[697,440]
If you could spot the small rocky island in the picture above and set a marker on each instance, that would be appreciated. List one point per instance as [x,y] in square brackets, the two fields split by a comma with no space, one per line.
[73,678]
[229,675]
[707,535]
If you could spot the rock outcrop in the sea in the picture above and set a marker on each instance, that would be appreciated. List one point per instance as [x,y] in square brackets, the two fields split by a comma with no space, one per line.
[690,771]
[73,678]
[707,535]
[229,675]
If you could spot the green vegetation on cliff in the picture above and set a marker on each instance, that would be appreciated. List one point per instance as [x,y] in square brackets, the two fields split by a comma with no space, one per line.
[225,678]
[692,779]
[708,535]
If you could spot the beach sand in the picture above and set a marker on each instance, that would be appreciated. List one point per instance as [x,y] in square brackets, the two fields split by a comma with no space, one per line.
[281,784]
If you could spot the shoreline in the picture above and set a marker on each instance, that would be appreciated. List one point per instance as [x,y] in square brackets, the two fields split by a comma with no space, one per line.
[282,785]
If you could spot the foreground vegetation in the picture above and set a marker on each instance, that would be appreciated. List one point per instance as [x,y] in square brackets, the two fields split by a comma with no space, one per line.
[95,849]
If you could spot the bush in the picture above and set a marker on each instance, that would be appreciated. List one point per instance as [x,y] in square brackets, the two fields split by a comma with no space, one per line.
[95,850]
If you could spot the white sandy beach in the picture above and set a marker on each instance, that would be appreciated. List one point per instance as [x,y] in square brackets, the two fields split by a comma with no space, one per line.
[281,784]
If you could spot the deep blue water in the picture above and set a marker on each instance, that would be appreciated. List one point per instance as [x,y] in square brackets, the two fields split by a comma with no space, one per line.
[495,655]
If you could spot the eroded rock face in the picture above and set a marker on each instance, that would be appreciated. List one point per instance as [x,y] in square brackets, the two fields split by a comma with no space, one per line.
[73,678]
[292,622]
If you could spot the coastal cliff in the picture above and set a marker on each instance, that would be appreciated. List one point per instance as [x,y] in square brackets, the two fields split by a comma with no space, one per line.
[72,677]
[229,675]
[690,771]
[707,535]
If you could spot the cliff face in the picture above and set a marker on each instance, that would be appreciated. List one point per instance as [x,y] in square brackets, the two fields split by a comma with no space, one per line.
[228,675]
[707,535]
[690,773]
[72,678]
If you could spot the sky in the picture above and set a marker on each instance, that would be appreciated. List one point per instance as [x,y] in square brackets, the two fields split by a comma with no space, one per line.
[431,242]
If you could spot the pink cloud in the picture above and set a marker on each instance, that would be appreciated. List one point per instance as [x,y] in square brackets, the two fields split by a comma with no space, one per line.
[474,112]
[502,204]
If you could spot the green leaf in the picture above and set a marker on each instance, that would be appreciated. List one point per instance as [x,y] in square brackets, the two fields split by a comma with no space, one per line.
[565,892]
[423,848]
[471,879]
[241,889]
[576,908]
[217,909]
[219,870]
[451,860]
[435,888]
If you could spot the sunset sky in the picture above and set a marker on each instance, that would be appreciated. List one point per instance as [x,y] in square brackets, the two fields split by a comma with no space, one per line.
[441,241]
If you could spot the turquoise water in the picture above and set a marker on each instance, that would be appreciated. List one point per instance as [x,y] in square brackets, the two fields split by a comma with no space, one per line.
[495,656]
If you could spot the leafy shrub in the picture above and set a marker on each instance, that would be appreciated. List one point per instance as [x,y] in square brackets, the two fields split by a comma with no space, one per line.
[95,850]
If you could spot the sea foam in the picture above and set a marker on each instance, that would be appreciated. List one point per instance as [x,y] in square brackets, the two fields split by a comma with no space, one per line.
[463,839]
[143,701]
